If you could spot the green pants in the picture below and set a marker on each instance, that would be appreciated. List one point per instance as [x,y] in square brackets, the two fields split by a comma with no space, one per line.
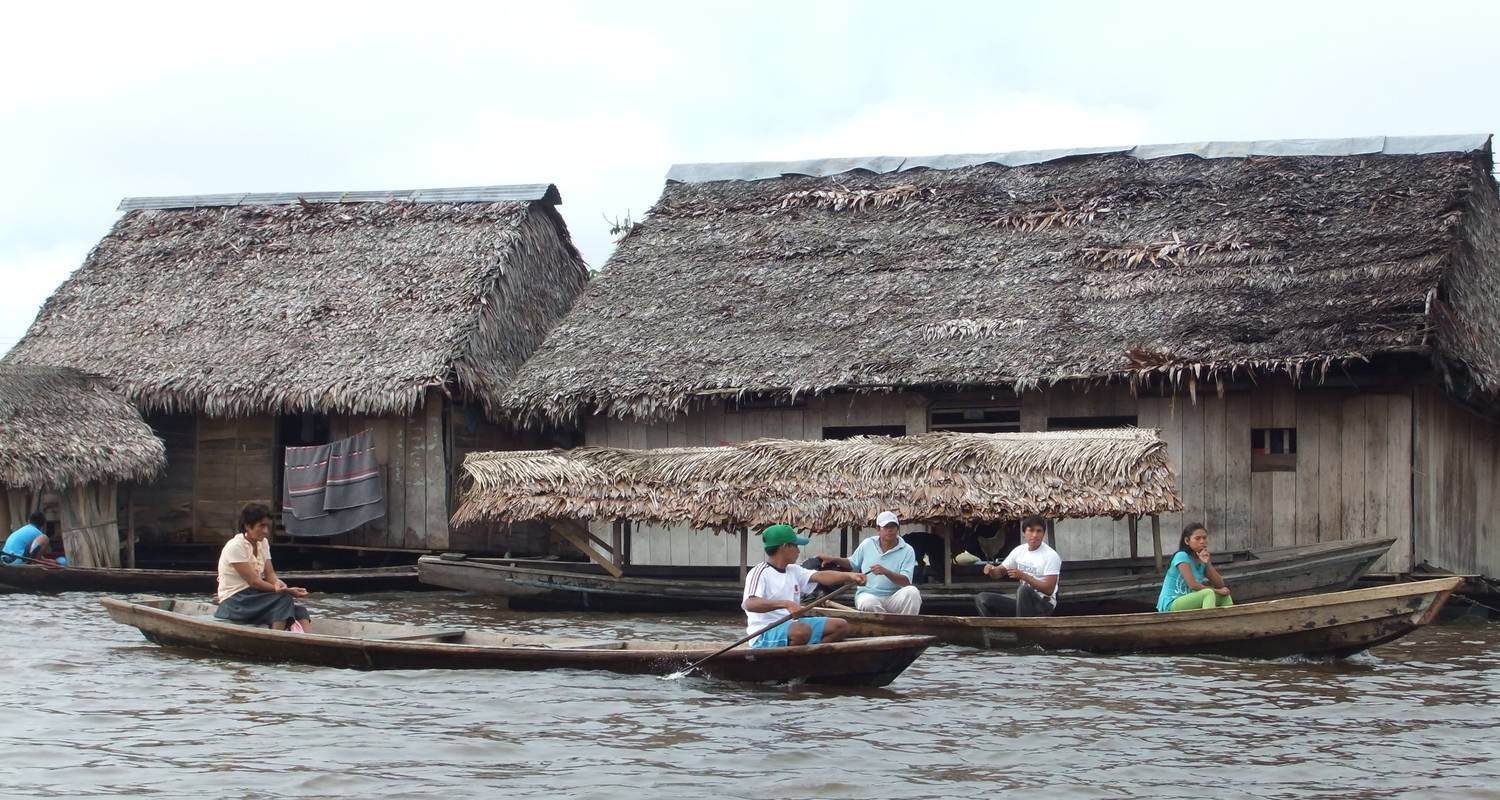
[1203,598]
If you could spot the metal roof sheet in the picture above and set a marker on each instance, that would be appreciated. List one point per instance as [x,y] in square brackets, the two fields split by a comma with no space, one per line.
[825,167]
[520,193]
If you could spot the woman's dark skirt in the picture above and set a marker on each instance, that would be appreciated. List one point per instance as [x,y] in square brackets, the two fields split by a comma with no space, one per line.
[255,607]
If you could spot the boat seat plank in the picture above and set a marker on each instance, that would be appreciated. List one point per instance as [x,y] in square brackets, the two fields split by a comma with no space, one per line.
[445,634]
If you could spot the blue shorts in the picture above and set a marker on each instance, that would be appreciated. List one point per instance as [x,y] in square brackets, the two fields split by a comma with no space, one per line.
[776,637]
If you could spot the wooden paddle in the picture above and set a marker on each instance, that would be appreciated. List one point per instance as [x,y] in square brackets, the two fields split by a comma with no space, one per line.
[36,561]
[798,613]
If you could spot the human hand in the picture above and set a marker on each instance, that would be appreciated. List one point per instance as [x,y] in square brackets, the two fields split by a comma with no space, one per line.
[1013,573]
[280,585]
[1222,591]
[1204,556]
[988,568]
[825,559]
[857,578]
[792,606]
[296,591]
[879,570]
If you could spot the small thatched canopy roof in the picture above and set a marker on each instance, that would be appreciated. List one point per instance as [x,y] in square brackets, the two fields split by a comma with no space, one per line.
[351,302]
[60,428]
[1025,269]
[821,485]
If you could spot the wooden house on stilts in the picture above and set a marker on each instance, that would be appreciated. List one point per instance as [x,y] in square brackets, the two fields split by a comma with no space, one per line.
[1313,325]
[246,323]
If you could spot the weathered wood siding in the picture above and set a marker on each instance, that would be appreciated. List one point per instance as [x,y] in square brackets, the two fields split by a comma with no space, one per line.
[1457,483]
[164,507]
[1352,480]
[235,464]
[413,455]
[715,425]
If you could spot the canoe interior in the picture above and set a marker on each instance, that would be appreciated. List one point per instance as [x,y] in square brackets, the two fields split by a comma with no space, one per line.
[30,578]
[1335,624]
[189,624]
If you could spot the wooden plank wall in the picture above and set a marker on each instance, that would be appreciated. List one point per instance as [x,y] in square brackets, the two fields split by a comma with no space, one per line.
[165,506]
[1457,482]
[1352,479]
[655,544]
[413,454]
[472,432]
[235,464]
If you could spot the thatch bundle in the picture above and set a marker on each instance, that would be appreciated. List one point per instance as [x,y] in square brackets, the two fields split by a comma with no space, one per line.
[239,305]
[1104,266]
[821,485]
[60,428]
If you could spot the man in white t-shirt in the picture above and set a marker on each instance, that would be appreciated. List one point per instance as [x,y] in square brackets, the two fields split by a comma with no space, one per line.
[774,589]
[1036,566]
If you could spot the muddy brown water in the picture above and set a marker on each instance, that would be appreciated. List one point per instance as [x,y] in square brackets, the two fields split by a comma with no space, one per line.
[121,717]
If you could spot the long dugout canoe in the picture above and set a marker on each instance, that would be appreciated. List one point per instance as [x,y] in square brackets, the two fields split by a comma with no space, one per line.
[33,578]
[366,645]
[1112,586]
[1336,624]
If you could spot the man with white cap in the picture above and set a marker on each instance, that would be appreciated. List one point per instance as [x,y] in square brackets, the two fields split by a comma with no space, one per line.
[890,562]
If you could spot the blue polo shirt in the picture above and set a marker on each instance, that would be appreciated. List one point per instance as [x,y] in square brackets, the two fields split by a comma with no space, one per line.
[19,543]
[901,559]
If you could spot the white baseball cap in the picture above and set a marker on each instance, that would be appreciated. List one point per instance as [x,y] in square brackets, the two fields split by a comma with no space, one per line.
[887,518]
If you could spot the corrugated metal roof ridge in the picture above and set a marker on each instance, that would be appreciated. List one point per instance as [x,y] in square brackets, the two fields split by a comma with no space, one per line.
[825,167]
[518,193]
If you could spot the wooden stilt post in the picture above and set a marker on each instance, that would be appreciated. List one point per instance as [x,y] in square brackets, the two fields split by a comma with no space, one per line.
[617,539]
[626,552]
[744,553]
[1156,540]
[130,528]
[947,552]
[1133,522]
[1051,535]
[844,542]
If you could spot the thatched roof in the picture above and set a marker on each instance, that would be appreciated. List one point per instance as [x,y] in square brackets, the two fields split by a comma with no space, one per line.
[59,428]
[240,304]
[821,485]
[1023,270]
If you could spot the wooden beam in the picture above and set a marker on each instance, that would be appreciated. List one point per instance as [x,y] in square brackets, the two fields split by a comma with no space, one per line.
[744,553]
[616,536]
[947,534]
[1156,540]
[844,541]
[1133,522]
[1051,535]
[129,527]
[588,544]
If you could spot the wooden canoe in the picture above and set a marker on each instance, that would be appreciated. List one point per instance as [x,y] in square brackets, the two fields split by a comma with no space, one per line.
[31,578]
[1110,586]
[1336,624]
[365,645]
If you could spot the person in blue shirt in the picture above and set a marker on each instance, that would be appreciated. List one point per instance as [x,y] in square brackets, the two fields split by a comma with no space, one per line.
[1191,581]
[890,562]
[27,544]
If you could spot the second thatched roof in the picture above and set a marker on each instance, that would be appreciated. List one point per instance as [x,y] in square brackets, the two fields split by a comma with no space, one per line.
[59,427]
[336,302]
[822,485]
[1022,270]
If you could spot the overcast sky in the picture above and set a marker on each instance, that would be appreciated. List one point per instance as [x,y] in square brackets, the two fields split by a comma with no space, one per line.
[125,99]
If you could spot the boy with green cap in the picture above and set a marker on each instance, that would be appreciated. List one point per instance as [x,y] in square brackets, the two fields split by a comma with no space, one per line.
[774,589]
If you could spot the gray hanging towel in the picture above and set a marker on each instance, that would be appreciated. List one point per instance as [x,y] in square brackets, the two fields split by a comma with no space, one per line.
[332,488]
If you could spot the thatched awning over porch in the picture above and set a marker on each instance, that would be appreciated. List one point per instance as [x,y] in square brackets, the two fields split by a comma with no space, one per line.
[822,485]
[59,427]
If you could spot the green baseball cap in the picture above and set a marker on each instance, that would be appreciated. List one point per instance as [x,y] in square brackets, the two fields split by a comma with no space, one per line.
[777,535]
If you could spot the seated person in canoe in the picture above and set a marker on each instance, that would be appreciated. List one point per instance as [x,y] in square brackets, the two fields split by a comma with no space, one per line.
[1191,581]
[28,544]
[1036,566]
[249,590]
[891,563]
[774,589]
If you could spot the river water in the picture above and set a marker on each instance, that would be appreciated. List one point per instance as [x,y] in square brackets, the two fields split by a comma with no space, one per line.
[120,717]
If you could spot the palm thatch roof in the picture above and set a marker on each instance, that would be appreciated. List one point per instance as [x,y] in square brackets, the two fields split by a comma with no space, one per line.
[359,303]
[821,485]
[59,427]
[1024,270]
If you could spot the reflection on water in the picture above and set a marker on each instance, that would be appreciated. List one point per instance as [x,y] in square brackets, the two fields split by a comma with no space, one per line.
[1416,718]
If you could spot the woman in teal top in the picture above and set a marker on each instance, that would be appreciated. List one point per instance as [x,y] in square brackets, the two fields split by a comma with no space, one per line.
[1187,583]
